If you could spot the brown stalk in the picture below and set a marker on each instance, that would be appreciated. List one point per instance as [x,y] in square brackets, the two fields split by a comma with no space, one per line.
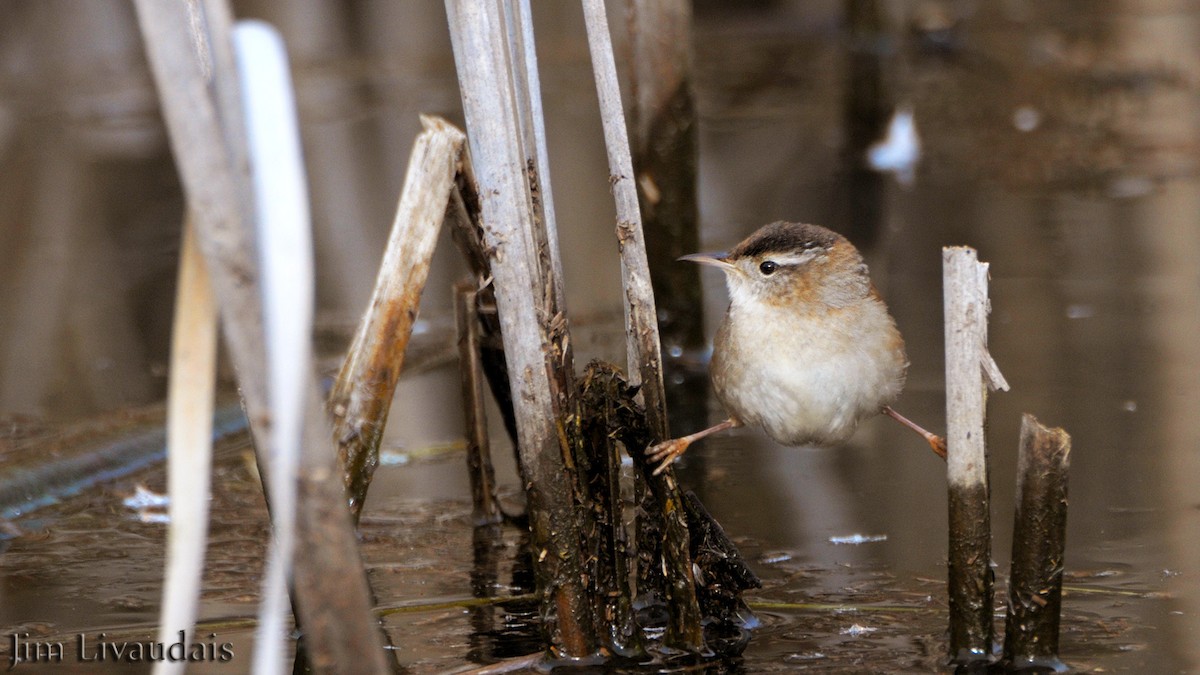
[362,393]
[479,456]
[1039,541]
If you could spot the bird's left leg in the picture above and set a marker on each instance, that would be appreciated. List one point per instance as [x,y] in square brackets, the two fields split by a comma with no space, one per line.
[936,443]
[668,451]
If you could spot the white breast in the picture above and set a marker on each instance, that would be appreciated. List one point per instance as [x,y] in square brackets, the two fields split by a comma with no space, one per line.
[809,380]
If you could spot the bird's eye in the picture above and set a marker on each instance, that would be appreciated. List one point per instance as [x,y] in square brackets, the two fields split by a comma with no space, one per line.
[768,267]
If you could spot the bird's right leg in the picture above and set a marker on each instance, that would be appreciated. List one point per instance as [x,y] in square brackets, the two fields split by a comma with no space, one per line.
[936,443]
[668,451]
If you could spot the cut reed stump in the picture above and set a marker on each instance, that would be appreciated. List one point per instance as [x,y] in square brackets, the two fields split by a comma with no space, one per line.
[968,365]
[1039,540]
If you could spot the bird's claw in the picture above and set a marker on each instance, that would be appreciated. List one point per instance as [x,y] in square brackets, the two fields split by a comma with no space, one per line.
[665,453]
[938,445]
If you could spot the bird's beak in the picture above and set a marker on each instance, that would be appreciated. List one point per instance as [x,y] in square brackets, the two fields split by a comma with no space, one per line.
[714,259]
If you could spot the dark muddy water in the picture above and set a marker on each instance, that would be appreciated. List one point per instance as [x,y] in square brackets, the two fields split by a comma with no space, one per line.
[1060,139]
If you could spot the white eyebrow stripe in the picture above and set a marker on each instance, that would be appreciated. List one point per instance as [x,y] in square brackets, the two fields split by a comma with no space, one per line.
[792,258]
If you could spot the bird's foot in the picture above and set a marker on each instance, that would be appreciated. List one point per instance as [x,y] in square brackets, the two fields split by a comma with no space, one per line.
[937,444]
[666,452]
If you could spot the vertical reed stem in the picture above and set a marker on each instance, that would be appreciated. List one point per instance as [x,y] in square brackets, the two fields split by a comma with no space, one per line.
[284,236]
[191,389]
[970,575]
[641,329]
[1039,540]
[532,326]
[479,455]
[641,323]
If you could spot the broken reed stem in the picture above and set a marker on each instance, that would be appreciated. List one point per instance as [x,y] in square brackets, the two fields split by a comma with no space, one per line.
[641,329]
[362,393]
[970,575]
[190,399]
[479,454]
[1039,540]
[641,323]
[198,89]
[533,330]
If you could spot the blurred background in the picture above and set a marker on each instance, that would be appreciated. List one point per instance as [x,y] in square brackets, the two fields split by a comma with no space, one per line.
[1058,138]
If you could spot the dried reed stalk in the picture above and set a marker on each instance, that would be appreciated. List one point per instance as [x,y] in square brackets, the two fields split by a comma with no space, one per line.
[641,324]
[641,329]
[191,388]
[967,365]
[198,88]
[532,324]
[363,390]
[479,455]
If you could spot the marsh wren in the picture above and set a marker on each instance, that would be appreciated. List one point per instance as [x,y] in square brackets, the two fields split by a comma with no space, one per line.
[807,348]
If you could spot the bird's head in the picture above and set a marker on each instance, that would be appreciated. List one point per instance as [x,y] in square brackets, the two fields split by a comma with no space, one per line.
[791,264]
